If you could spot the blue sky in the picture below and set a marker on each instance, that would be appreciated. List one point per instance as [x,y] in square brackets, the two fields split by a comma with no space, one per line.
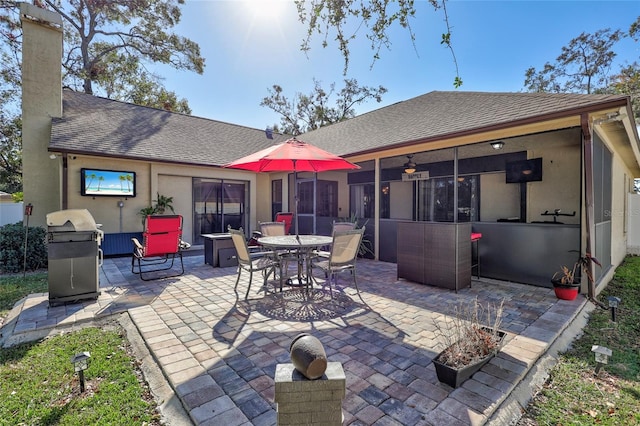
[251,45]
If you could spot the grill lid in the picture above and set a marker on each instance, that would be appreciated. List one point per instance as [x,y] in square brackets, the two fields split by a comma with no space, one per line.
[71,220]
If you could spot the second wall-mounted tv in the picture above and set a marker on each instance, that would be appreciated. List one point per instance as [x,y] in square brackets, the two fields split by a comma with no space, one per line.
[111,183]
[524,170]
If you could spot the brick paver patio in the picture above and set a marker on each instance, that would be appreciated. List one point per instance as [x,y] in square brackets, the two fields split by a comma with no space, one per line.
[219,352]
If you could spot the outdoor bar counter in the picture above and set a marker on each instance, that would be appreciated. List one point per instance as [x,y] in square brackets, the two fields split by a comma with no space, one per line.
[528,253]
[435,253]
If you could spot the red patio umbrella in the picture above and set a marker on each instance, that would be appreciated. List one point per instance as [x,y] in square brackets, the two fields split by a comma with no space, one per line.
[294,156]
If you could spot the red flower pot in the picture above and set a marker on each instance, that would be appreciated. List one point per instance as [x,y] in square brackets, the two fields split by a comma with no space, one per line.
[566,292]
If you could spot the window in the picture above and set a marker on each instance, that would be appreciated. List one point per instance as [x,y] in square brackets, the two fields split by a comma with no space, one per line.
[435,202]
[385,200]
[276,197]
[362,200]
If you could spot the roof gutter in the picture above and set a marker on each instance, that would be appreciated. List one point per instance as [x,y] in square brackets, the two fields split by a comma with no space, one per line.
[126,157]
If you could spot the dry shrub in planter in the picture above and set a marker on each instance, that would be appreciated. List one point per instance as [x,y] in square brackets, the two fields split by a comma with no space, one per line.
[471,335]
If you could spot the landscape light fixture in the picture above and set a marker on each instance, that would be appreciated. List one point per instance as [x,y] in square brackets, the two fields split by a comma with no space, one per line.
[602,356]
[613,304]
[497,145]
[80,363]
[409,166]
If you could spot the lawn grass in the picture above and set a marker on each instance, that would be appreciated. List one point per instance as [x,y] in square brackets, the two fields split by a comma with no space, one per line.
[15,287]
[38,385]
[574,393]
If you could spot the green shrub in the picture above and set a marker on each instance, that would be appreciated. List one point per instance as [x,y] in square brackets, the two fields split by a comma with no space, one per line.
[12,248]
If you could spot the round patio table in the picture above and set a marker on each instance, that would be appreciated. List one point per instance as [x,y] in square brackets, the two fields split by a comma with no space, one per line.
[303,245]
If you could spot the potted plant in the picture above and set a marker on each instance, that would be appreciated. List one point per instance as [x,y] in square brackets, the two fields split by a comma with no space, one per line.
[365,249]
[163,203]
[471,338]
[146,211]
[566,282]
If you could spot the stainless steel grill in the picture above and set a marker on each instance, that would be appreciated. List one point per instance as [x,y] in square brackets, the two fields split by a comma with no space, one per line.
[74,256]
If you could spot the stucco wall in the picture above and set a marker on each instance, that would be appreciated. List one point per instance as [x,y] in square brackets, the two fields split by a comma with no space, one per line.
[633,230]
[560,185]
[401,200]
[41,100]
[263,199]
[498,199]
[621,213]
[180,188]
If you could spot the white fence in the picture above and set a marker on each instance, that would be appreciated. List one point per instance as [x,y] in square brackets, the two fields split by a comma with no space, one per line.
[633,227]
[11,213]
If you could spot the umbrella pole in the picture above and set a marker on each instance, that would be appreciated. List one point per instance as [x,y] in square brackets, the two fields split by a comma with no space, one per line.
[295,192]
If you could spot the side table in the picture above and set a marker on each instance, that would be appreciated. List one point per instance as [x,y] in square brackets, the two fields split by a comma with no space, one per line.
[213,243]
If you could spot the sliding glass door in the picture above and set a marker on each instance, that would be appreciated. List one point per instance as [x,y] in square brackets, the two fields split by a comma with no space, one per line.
[217,205]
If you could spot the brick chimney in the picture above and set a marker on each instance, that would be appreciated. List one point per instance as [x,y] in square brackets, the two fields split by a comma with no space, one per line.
[41,101]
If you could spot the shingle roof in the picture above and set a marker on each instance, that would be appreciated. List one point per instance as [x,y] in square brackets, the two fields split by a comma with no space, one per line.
[439,114]
[94,125]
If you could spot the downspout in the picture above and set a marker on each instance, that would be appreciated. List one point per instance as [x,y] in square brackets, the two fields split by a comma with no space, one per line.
[65,181]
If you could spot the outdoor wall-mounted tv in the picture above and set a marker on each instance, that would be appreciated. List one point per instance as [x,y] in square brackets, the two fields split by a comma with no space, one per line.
[110,183]
[524,170]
